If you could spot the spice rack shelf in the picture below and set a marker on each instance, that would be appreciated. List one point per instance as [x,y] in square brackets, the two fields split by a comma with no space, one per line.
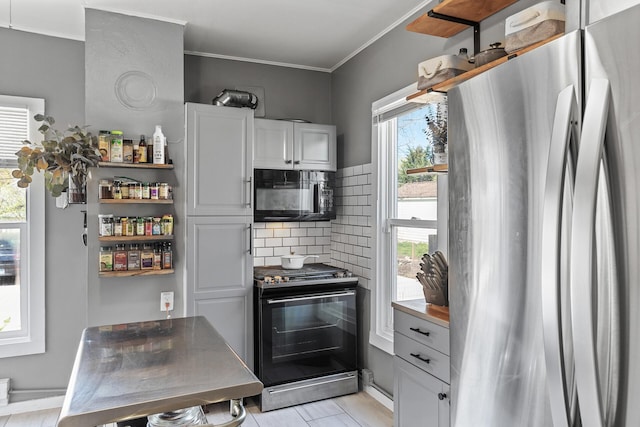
[137,201]
[154,238]
[135,165]
[422,96]
[429,169]
[130,273]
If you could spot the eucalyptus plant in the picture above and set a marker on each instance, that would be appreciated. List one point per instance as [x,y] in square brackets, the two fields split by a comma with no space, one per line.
[61,155]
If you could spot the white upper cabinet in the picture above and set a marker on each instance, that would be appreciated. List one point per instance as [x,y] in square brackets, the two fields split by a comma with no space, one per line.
[281,144]
[219,154]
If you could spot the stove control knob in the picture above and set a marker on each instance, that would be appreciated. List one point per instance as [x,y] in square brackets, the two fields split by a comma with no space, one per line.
[339,274]
[285,279]
[277,279]
[348,273]
[268,279]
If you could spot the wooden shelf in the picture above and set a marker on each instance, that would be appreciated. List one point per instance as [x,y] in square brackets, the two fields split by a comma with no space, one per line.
[137,201]
[423,95]
[155,238]
[468,10]
[131,273]
[429,169]
[134,165]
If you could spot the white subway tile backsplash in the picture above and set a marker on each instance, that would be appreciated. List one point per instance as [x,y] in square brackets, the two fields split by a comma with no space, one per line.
[273,242]
[258,261]
[258,243]
[264,252]
[290,241]
[272,261]
[323,240]
[282,250]
[263,233]
[275,225]
[306,241]
[282,232]
[314,232]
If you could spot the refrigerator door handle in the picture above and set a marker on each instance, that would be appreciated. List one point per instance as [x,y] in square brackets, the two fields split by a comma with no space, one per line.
[560,392]
[582,252]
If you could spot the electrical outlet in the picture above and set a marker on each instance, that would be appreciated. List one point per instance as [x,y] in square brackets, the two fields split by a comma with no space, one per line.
[166,298]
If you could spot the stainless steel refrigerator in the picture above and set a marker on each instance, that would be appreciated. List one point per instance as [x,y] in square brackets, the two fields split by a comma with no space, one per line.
[544,234]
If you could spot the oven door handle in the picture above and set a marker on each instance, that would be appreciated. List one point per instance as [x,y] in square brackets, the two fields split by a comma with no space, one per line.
[310,297]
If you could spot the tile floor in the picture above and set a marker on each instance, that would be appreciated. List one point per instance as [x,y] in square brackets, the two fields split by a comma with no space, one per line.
[355,410]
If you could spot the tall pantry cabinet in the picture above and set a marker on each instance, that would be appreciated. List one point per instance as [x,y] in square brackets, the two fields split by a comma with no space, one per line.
[219,264]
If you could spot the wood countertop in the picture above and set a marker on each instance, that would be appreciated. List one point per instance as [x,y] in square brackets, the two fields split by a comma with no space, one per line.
[420,308]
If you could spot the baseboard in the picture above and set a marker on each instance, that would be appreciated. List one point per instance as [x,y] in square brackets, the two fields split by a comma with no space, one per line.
[381,398]
[32,405]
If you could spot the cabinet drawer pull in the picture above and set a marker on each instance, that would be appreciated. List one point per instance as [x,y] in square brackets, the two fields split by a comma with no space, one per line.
[420,332]
[288,162]
[417,356]
[442,396]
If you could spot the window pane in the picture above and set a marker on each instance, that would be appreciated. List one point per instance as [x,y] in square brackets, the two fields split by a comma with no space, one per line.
[411,244]
[12,199]
[12,216]
[416,194]
[10,301]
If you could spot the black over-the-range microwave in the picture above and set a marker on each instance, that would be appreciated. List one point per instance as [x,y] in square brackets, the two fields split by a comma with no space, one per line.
[293,195]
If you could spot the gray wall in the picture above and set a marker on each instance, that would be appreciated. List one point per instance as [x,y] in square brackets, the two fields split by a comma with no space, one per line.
[53,69]
[288,92]
[124,55]
[389,64]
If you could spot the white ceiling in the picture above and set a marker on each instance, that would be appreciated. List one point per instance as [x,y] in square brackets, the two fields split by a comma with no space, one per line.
[310,34]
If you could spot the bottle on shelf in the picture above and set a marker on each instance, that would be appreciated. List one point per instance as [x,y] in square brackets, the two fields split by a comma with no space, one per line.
[142,150]
[167,256]
[133,257]
[158,146]
[116,147]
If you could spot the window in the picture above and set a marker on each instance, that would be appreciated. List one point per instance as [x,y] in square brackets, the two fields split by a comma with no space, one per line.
[411,215]
[21,235]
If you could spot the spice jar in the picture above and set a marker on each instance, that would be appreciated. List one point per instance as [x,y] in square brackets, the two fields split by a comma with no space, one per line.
[131,226]
[124,189]
[148,226]
[120,258]
[157,226]
[167,224]
[116,191]
[127,151]
[140,226]
[154,191]
[105,189]
[133,257]
[163,192]
[106,224]
[117,226]
[146,257]
[146,190]
[116,146]
[157,257]
[106,258]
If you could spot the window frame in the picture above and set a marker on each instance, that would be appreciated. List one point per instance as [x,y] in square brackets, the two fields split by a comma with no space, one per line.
[385,217]
[31,338]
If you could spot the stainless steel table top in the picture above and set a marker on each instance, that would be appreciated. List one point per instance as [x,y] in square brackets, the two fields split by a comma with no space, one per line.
[136,369]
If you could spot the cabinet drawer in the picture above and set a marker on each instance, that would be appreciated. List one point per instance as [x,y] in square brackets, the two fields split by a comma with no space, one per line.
[425,358]
[423,331]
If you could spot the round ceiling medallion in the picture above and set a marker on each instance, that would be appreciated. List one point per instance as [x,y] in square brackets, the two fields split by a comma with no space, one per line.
[136,90]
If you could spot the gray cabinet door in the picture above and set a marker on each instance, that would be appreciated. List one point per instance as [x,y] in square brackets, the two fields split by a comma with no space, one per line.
[220,278]
[419,399]
[219,160]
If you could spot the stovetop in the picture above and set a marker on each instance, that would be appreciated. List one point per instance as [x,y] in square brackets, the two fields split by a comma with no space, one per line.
[310,274]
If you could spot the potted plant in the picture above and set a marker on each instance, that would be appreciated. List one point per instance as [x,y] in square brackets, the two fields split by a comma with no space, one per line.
[436,132]
[63,157]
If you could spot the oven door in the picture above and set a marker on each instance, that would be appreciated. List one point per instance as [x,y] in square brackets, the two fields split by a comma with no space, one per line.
[307,335]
